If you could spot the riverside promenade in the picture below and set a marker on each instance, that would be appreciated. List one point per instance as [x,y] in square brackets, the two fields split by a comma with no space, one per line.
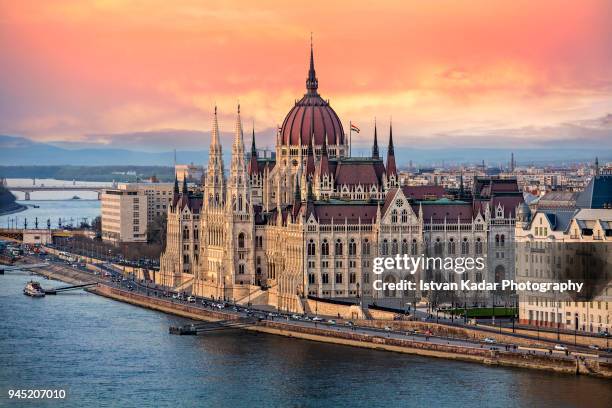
[388,339]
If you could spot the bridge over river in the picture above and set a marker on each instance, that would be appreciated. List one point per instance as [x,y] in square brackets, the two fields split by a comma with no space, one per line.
[30,189]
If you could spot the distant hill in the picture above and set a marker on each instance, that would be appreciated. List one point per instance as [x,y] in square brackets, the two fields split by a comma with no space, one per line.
[22,151]
[18,151]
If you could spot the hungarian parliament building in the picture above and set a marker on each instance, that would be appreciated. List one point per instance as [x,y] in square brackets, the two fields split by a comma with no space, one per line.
[308,221]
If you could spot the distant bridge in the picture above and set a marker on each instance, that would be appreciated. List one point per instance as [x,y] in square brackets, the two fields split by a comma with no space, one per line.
[30,189]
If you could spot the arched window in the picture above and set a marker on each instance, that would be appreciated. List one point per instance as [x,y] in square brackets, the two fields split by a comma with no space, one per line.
[389,279]
[438,247]
[325,248]
[502,240]
[312,248]
[352,247]
[405,246]
[465,246]
[338,247]
[404,216]
[497,240]
[451,246]
[478,246]
[500,273]
[385,247]
[394,247]
[394,216]
[241,240]
[241,269]
[365,247]
[414,247]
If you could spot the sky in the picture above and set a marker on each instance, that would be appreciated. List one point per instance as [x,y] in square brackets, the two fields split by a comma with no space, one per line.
[448,72]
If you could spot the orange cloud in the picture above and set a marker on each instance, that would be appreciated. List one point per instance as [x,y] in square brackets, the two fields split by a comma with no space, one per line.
[78,67]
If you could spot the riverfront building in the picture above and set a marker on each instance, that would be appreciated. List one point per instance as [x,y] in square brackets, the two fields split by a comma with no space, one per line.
[308,221]
[568,236]
[128,210]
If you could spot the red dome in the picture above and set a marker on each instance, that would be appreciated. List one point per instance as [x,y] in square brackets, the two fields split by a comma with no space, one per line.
[311,111]
[297,126]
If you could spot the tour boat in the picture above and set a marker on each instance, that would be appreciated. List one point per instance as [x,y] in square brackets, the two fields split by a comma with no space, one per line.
[33,289]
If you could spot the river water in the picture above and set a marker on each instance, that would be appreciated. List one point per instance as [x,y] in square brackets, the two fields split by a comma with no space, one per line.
[107,353]
[53,205]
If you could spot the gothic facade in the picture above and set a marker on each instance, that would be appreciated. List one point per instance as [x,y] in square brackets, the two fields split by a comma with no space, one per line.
[309,220]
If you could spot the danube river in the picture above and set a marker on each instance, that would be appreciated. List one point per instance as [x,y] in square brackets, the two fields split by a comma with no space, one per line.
[53,205]
[107,353]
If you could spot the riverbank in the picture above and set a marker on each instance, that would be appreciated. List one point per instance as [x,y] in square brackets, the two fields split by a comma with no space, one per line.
[8,203]
[17,208]
[485,356]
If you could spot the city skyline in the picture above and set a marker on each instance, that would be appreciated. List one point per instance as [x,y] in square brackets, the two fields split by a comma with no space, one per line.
[135,75]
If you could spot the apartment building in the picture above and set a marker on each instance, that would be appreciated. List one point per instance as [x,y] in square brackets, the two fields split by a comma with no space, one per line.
[128,209]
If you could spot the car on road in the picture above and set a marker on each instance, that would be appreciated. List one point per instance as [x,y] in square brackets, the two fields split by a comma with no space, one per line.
[489,340]
[593,346]
[191,299]
[317,319]
[560,347]
[296,317]
[331,322]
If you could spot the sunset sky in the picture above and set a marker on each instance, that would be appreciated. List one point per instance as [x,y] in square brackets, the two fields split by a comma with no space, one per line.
[94,71]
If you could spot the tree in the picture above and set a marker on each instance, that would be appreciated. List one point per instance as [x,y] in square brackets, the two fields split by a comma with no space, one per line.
[96,225]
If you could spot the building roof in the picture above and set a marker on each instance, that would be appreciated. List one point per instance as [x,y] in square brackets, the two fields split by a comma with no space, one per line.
[354,172]
[349,212]
[423,192]
[311,115]
[597,194]
[445,209]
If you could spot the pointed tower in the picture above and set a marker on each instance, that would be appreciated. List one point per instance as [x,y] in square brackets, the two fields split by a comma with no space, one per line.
[312,84]
[375,154]
[239,224]
[310,163]
[597,166]
[185,190]
[391,170]
[238,185]
[176,187]
[214,190]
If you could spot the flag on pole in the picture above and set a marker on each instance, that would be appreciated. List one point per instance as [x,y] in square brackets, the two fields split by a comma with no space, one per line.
[354,128]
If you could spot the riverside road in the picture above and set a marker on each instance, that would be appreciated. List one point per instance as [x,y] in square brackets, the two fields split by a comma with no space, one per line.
[115,278]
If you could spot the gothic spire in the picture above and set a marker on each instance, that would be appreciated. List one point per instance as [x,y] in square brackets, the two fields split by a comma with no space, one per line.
[310,165]
[253,148]
[214,136]
[312,83]
[391,168]
[185,190]
[176,186]
[298,191]
[324,164]
[253,165]
[375,146]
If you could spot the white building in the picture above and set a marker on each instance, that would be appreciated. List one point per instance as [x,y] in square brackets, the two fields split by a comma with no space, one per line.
[128,209]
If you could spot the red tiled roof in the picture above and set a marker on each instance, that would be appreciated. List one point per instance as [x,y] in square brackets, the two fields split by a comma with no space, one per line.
[297,126]
[423,192]
[359,172]
[341,213]
[450,212]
